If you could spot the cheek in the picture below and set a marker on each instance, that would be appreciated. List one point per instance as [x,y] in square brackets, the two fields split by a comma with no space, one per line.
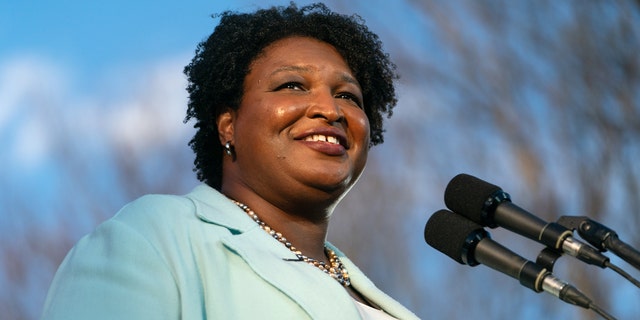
[360,126]
[269,116]
[282,112]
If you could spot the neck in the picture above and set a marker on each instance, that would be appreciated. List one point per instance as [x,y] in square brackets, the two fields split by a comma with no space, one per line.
[308,237]
[332,265]
[304,226]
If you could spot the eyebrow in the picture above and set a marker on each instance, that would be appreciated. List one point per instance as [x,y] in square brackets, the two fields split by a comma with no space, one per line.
[306,69]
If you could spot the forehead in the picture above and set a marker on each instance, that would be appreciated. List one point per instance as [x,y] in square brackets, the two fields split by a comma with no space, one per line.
[294,53]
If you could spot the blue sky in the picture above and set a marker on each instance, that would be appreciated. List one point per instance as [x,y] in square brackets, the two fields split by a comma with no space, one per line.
[90,37]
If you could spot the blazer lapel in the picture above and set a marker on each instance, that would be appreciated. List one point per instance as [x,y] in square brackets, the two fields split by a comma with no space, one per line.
[318,294]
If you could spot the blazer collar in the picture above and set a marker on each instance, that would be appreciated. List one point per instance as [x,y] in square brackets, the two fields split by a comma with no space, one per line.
[274,263]
[214,207]
[318,294]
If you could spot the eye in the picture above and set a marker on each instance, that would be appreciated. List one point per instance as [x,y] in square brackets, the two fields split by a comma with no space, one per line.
[292,85]
[350,96]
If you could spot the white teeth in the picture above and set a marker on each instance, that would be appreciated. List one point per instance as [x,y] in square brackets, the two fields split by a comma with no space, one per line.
[320,137]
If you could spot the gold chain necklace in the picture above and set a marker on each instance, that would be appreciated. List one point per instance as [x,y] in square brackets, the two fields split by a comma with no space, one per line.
[335,269]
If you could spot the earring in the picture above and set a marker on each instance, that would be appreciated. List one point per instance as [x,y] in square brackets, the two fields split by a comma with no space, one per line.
[228,149]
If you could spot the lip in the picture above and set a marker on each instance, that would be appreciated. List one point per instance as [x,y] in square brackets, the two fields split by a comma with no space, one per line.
[325,147]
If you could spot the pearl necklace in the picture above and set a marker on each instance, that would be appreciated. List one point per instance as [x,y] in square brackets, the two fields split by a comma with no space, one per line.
[335,269]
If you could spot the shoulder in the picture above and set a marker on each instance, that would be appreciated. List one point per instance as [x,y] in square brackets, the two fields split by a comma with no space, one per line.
[156,215]
[155,206]
[158,225]
[203,210]
[167,208]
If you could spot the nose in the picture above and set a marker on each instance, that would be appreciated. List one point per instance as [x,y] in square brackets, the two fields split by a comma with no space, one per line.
[324,105]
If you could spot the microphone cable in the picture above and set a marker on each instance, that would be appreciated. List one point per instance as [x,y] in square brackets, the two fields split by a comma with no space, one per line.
[604,238]
[601,312]
[623,273]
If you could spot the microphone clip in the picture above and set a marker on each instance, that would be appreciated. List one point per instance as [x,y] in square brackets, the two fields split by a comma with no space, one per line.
[593,232]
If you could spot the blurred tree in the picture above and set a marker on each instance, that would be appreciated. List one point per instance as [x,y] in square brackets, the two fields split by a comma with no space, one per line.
[543,98]
[103,157]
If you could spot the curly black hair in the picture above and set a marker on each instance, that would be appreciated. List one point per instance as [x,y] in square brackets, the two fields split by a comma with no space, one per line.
[217,72]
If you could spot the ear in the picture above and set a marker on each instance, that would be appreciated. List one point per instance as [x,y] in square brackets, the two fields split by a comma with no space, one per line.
[225,124]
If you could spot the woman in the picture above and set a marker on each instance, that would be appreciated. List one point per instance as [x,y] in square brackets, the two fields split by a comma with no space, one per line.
[287,102]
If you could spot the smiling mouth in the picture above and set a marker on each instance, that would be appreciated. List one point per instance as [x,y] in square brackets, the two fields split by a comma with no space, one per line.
[322,138]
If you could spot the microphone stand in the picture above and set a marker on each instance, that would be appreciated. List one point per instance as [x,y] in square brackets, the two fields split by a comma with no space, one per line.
[600,237]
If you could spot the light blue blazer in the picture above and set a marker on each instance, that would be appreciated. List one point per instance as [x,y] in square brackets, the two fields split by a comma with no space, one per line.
[197,257]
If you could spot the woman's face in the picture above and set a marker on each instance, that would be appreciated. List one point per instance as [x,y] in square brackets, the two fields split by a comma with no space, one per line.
[301,126]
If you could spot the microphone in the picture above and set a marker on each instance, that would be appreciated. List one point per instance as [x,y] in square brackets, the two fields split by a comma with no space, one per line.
[468,243]
[487,205]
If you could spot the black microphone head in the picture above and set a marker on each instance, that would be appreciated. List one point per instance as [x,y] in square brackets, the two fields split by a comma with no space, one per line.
[454,236]
[469,196]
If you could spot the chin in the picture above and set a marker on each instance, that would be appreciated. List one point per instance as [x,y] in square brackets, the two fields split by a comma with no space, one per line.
[334,185]
[337,190]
